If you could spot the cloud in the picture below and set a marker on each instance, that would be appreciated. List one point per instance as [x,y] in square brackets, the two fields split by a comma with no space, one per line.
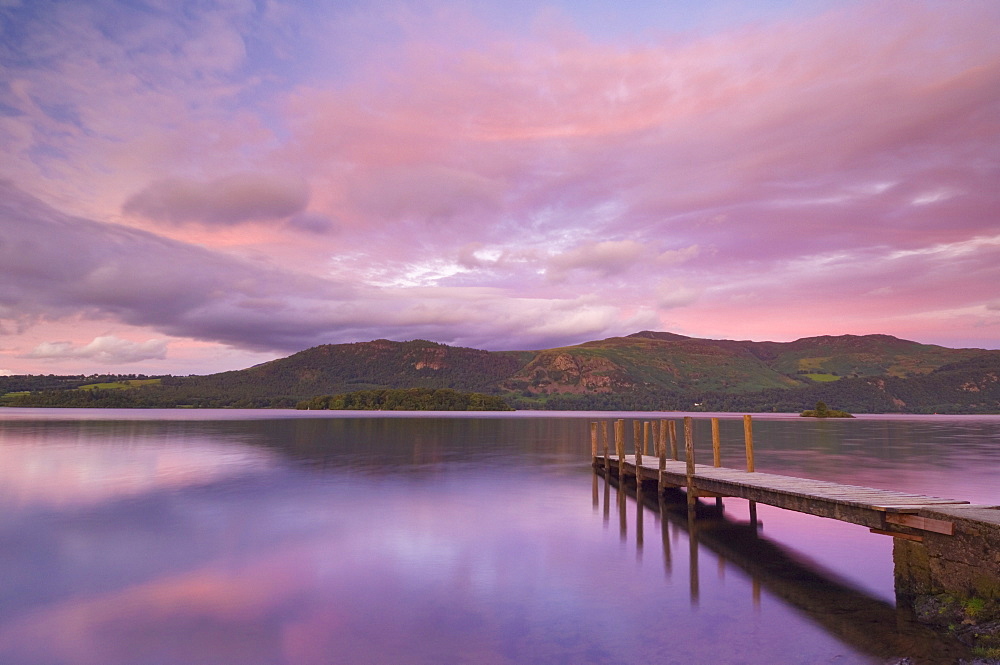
[606,258]
[613,257]
[788,125]
[312,222]
[234,199]
[107,350]
[427,192]
[423,164]
[671,294]
[60,266]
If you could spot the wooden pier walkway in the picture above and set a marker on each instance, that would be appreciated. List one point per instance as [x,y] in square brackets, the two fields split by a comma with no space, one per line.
[940,546]
[881,510]
[655,461]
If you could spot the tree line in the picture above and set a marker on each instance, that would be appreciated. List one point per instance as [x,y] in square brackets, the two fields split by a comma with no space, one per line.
[407,399]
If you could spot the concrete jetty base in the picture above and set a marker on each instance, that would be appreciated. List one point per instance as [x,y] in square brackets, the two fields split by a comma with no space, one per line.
[954,581]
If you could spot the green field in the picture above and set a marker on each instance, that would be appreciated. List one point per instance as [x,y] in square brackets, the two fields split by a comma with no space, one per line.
[120,385]
[822,378]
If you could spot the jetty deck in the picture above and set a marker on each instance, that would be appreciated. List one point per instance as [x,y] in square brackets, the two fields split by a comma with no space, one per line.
[656,460]
[878,509]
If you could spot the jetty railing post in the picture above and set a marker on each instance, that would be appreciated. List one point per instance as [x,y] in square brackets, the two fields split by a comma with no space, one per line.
[604,436]
[637,434]
[692,501]
[689,456]
[662,452]
[716,444]
[672,427]
[620,448]
[748,437]
[716,453]
[656,438]
[637,439]
[663,437]
[593,443]
[647,438]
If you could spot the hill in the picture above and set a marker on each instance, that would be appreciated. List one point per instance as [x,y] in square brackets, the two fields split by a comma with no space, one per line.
[646,370]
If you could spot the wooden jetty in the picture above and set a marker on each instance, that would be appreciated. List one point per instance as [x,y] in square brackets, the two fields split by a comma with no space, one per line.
[941,546]
[869,624]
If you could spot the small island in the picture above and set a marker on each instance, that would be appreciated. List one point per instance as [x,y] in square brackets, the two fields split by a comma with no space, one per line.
[822,411]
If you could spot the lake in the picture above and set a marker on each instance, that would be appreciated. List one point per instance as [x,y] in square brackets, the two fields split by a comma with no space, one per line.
[313,538]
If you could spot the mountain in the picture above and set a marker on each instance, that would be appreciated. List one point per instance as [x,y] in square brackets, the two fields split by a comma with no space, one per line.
[338,368]
[646,370]
[674,362]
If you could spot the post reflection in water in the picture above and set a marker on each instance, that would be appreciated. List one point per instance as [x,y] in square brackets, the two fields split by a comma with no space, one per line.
[638,524]
[665,531]
[622,518]
[607,500]
[866,623]
[693,552]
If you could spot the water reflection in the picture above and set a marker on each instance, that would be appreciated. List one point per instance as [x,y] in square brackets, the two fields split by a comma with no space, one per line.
[86,462]
[869,624]
[301,540]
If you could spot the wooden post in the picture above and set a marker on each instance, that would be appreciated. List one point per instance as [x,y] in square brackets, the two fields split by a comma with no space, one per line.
[663,437]
[593,442]
[637,440]
[637,434]
[662,452]
[620,448]
[748,437]
[656,438]
[647,438]
[689,459]
[716,444]
[689,448]
[716,453]
[604,437]
[672,427]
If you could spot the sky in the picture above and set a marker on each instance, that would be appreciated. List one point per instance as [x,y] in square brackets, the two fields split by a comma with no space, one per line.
[189,187]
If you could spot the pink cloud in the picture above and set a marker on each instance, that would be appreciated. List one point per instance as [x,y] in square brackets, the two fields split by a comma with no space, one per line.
[233,199]
[104,350]
[684,179]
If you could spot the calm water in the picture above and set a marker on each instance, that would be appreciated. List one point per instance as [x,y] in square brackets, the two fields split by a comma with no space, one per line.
[263,537]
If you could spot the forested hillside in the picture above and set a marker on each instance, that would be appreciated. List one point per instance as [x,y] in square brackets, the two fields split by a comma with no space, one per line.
[646,371]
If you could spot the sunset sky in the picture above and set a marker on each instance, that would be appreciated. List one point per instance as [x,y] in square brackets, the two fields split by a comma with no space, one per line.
[190,187]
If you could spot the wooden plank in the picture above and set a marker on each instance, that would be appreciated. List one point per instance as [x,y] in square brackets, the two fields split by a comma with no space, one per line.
[922,523]
[710,495]
[896,534]
[912,508]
